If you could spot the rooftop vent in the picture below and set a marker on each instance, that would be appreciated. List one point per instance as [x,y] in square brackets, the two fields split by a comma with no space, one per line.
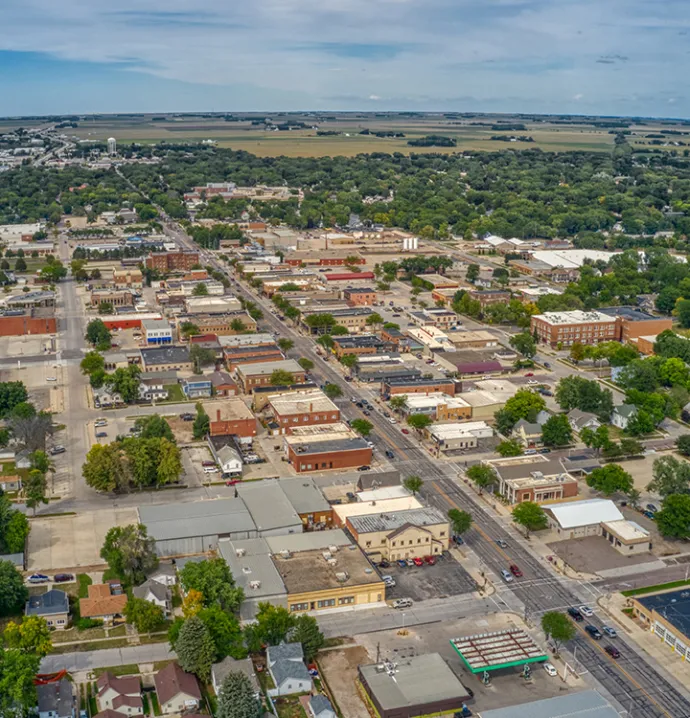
[285,554]
[255,584]
[341,576]
[240,552]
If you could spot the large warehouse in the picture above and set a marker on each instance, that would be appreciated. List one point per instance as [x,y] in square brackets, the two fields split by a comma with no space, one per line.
[195,527]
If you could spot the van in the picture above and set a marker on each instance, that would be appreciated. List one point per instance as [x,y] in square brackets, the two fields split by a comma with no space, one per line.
[507,576]
[210,469]
[402,603]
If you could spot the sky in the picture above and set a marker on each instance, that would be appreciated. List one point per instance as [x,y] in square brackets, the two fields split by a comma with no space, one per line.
[606,57]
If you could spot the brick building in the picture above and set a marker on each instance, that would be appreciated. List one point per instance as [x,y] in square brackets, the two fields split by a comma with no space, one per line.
[358,345]
[323,258]
[419,386]
[350,276]
[632,323]
[128,279]
[182,261]
[231,417]
[364,297]
[326,447]
[249,376]
[118,298]
[567,328]
[302,408]
[19,323]
[485,297]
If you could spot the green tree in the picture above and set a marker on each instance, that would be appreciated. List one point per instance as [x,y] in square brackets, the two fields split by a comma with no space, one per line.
[683,312]
[306,631]
[12,393]
[189,329]
[274,623]
[32,636]
[673,521]
[106,308]
[202,423]
[195,649]
[13,592]
[530,515]
[349,360]
[144,615]
[326,341]
[35,489]
[285,344]
[557,431]
[17,674]
[524,344]
[683,444]
[610,479]
[483,475]
[154,426]
[525,405]
[413,484]
[460,521]
[670,476]
[200,357]
[472,273]
[130,552]
[107,468]
[41,462]
[125,382]
[213,579]
[98,335]
[510,447]
[398,403]
[237,325]
[237,698]
[374,319]
[332,391]
[225,632]
[558,627]
[201,290]
[281,377]
[20,265]
[419,421]
[598,439]
[92,362]
[362,427]
[306,364]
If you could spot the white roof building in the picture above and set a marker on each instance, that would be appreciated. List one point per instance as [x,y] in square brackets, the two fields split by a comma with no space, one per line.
[578,514]
[458,430]
[571,258]
[577,316]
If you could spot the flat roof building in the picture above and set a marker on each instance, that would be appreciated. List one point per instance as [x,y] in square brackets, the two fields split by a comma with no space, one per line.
[582,704]
[575,519]
[231,417]
[269,507]
[533,478]
[577,326]
[459,435]
[343,512]
[499,649]
[308,501]
[302,408]
[166,358]
[420,685]
[667,615]
[259,373]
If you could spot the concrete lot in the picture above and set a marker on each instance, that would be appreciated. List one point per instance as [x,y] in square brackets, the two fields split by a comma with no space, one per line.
[16,347]
[594,553]
[446,578]
[507,686]
[72,542]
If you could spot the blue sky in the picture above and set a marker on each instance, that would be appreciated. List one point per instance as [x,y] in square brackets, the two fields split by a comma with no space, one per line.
[614,57]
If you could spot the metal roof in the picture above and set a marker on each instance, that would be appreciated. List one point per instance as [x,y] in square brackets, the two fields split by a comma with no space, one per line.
[498,649]
[269,506]
[304,495]
[308,541]
[413,682]
[197,518]
[391,521]
[249,562]
[584,513]
[583,704]
[263,368]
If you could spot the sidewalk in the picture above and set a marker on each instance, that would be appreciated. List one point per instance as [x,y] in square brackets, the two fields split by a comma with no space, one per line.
[644,641]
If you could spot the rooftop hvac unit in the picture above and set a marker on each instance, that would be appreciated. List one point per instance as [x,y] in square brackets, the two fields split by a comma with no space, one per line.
[255,584]
[333,549]
[285,553]
[240,552]
[332,562]
[341,576]
[327,555]
[246,569]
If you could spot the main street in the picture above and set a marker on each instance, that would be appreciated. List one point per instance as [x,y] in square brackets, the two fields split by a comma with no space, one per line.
[633,680]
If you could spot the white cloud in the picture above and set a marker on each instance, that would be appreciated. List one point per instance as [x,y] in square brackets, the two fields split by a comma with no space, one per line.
[579,96]
[374,97]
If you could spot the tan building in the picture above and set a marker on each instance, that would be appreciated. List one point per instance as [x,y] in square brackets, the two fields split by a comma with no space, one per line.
[118,298]
[128,279]
[403,534]
[533,478]
[304,408]
[665,614]
[250,376]
[219,324]
[627,537]
[342,512]
[231,417]
[473,340]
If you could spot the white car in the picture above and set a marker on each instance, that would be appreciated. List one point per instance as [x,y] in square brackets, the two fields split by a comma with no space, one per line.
[550,669]
[532,382]
[586,611]
[402,603]
[51,378]
[100,422]
[393,420]
[210,469]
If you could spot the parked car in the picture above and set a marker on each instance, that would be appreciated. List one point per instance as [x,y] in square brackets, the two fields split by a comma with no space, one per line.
[532,382]
[610,632]
[38,578]
[404,431]
[575,614]
[402,603]
[393,420]
[586,611]
[384,564]
[418,561]
[612,651]
[63,577]
[58,449]
[515,570]
[431,560]
[409,562]
[649,515]
[547,365]
[550,669]
[530,373]
[652,508]
[593,631]
[388,580]
[502,543]
[101,434]
[363,468]
[458,540]
[507,575]
[210,469]
[51,378]
[402,563]
[187,417]
[390,454]
[544,451]
[100,422]
[351,497]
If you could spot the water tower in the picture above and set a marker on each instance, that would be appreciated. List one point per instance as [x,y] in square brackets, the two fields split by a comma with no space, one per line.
[112,146]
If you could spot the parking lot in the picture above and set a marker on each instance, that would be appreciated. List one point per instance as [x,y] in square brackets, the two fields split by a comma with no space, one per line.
[446,578]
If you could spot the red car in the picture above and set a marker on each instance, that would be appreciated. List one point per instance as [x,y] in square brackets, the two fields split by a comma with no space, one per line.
[530,373]
[405,431]
[515,570]
[431,560]
[418,561]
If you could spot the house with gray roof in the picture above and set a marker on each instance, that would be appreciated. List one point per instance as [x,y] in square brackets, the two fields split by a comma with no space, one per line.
[56,700]
[155,593]
[622,414]
[220,671]
[53,606]
[529,433]
[320,707]
[286,667]
[580,420]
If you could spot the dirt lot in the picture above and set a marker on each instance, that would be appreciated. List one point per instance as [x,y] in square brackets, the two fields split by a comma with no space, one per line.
[339,669]
[446,578]
[69,542]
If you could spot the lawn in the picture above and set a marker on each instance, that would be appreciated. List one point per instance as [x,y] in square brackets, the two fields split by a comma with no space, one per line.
[93,646]
[126,670]
[84,582]
[175,393]
[655,588]
[155,705]
[289,707]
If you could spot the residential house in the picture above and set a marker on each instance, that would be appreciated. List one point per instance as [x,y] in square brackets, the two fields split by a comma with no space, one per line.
[528,433]
[165,574]
[177,690]
[226,455]
[286,667]
[622,414]
[320,707]
[197,387]
[152,390]
[106,601]
[580,420]
[56,700]
[223,384]
[220,671]
[119,694]
[53,606]
[155,593]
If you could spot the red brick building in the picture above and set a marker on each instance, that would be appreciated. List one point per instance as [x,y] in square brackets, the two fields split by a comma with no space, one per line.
[364,297]
[328,455]
[419,386]
[230,418]
[325,258]
[350,276]
[302,408]
[485,297]
[182,261]
[24,324]
[237,356]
